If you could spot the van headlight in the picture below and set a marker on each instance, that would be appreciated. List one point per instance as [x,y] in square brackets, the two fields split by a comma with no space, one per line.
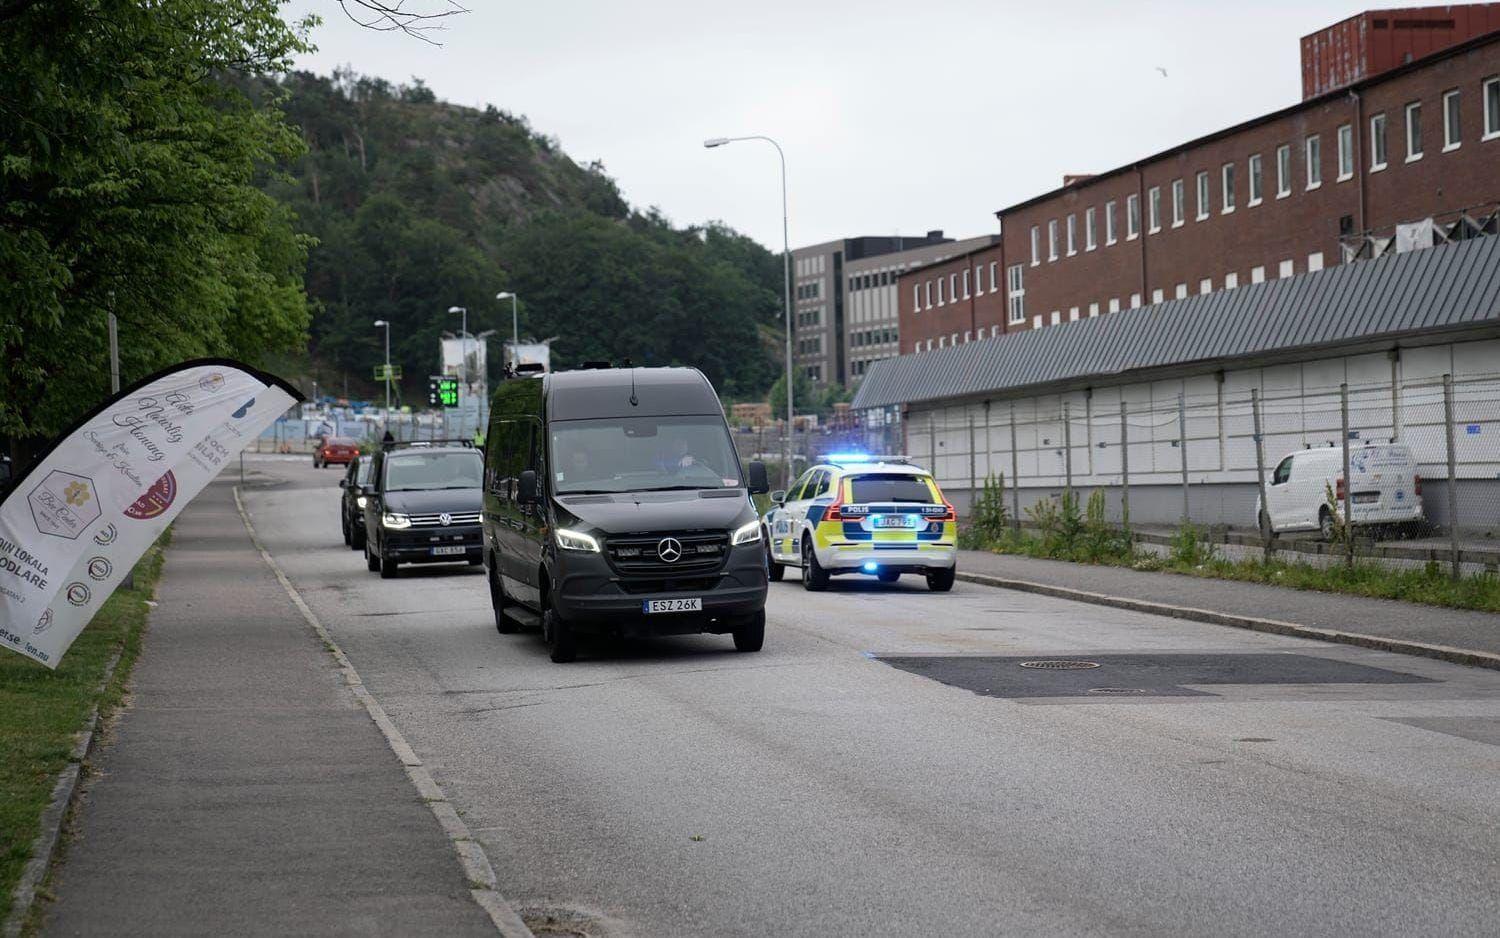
[745,534]
[575,540]
[395,520]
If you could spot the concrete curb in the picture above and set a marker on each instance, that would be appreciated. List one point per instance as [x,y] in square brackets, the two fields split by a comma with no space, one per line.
[471,856]
[1464,656]
[64,791]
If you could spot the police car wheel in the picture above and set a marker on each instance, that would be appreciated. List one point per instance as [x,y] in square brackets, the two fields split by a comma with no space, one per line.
[889,576]
[814,577]
[751,634]
[774,570]
[941,581]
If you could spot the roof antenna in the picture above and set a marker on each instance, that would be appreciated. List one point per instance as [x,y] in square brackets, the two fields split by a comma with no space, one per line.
[634,402]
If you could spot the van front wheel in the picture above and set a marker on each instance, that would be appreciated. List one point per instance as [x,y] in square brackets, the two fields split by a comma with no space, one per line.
[559,634]
[751,634]
[1325,524]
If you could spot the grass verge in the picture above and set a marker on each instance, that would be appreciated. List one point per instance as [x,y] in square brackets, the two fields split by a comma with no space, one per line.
[42,710]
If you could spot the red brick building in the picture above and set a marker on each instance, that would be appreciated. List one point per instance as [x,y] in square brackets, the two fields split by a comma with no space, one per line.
[1272,197]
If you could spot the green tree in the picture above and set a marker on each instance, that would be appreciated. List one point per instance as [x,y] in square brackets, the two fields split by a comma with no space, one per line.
[130,180]
[805,397]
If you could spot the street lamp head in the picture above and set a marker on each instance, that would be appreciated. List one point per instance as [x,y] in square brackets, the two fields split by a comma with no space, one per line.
[456,309]
[504,295]
[381,322]
[712,142]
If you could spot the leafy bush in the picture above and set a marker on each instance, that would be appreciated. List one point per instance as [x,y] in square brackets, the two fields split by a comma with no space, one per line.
[989,522]
[1188,548]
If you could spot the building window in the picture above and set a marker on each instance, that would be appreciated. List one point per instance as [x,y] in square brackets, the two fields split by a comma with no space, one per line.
[1114,304]
[1132,217]
[1015,293]
[966,283]
[1056,316]
[1135,301]
[942,301]
[1156,296]
[955,338]
[1492,108]
[1287,268]
[916,298]
[1036,245]
[942,341]
[1257,275]
[1283,171]
[1314,162]
[1231,281]
[1452,130]
[978,280]
[953,287]
[1052,240]
[1153,209]
[993,266]
[1346,152]
[1256,180]
[1093,310]
[1226,183]
[1181,291]
[1206,285]
[1072,235]
[1413,131]
[1315,261]
[1179,196]
[928,288]
[1090,232]
[1377,145]
[1036,321]
[1110,236]
[1202,196]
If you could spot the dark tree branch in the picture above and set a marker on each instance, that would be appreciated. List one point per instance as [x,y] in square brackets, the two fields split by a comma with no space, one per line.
[392,16]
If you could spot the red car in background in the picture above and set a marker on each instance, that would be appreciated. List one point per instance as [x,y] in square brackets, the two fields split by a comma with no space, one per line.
[334,449]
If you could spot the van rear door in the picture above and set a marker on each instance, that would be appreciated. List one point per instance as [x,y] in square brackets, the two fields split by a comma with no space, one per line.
[1383,481]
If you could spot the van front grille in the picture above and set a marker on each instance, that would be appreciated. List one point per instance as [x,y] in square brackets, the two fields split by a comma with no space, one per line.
[649,555]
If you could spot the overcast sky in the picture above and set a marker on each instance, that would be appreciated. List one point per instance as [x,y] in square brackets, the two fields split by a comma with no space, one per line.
[895,117]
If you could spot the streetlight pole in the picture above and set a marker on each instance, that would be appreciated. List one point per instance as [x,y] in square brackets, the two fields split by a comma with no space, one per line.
[385,421]
[515,323]
[463,361]
[786,286]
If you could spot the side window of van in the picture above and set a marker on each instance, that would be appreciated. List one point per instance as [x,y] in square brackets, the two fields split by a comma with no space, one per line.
[1283,471]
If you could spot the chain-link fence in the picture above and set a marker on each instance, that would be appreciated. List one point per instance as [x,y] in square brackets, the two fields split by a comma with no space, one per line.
[1414,463]
[878,433]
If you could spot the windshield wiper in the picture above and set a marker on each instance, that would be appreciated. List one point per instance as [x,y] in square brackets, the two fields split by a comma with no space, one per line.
[678,488]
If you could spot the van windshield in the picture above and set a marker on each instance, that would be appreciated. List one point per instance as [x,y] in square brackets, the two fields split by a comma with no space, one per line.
[415,472]
[643,454]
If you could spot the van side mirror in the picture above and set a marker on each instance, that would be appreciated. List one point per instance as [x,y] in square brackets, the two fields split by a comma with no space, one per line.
[526,487]
[343,483]
[759,482]
[779,496]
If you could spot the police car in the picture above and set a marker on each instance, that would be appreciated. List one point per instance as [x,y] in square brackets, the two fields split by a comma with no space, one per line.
[875,515]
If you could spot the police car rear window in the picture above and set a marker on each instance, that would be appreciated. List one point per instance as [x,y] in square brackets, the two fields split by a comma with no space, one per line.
[871,489]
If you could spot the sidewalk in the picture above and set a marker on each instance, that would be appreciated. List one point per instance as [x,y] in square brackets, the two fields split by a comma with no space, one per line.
[244,790]
[1387,619]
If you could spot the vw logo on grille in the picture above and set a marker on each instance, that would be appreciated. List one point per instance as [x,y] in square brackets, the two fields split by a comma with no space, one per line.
[669,549]
[445,518]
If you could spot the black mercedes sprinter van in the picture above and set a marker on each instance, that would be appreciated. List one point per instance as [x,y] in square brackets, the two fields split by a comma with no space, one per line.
[615,503]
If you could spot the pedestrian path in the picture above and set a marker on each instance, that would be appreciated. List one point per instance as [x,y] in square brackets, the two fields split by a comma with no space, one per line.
[244,790]
[1384,618]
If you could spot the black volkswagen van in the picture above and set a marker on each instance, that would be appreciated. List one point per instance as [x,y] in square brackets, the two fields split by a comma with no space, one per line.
[615,503]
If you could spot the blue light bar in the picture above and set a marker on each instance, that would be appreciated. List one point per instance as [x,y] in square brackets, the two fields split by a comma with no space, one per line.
[871,567]
[849,457]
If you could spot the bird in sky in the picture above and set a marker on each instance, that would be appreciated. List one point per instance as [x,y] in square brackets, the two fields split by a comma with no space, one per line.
[1162,70]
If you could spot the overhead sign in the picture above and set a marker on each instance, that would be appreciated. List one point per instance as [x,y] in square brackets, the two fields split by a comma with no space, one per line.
[442,391]
[82,515]
[384,371]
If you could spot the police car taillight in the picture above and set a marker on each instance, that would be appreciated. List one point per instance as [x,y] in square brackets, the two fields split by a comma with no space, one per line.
[948,513]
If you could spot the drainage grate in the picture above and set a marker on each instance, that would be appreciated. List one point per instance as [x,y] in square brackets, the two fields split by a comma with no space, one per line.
[1119,690]
[1060,665]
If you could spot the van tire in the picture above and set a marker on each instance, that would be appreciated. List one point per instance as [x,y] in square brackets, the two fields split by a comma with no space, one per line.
[344,524]
[559,634]
[751,634]
[814,577]
[387,568]
[1325,524]
[504,624]
[941,580]
[372,563]
[774,570]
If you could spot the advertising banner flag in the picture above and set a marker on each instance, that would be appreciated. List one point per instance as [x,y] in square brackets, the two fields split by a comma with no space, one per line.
[77,521]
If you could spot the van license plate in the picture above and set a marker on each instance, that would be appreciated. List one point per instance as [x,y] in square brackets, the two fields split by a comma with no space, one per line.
[448,551]
[652,606]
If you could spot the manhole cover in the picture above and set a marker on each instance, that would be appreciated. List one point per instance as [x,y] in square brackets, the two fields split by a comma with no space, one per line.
[1060,665]
[1105,691]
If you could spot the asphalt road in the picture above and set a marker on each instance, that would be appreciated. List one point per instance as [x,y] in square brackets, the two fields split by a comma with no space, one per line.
[1202,779]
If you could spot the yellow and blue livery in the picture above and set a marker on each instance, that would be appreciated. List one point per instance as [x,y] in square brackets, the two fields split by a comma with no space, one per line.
[875,515]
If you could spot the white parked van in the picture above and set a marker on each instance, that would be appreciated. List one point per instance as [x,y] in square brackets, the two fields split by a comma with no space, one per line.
[1386,488]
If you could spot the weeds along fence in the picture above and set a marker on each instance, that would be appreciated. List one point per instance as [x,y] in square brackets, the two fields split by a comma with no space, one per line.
[1154,458]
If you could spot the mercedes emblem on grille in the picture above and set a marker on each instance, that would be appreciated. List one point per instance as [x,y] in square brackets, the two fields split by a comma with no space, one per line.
[669,549]
[445,518]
